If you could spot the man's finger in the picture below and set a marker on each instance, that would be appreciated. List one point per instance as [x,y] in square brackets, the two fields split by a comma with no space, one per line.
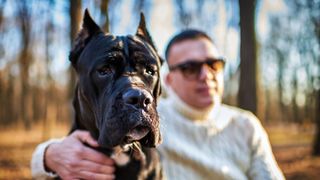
[95,156]
[85,137]
[90,175]
[95,167]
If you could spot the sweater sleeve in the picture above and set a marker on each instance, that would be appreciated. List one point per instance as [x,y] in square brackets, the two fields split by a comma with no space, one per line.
[263,163]
[37,162]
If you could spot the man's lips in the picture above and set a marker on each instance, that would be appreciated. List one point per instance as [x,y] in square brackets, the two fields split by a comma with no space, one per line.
[204,90]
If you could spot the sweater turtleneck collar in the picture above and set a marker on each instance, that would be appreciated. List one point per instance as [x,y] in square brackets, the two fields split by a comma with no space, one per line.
[191,113]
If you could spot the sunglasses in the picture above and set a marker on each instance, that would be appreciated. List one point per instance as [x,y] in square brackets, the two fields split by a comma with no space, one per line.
[191,69]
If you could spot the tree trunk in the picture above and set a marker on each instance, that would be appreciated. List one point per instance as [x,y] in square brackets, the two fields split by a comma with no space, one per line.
[75,19]
[25,58]
[316,144]
[11,105]
[313,5]
[2,4]
[295,107]
[2,97]
[247,95]
[49,95]
[104,4]
[280,87]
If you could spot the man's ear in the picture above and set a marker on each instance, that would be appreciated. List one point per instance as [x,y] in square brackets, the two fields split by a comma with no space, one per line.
[168,79]
[142,31]
[89,29]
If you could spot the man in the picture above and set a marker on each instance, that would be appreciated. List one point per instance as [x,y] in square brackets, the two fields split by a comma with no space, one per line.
[202,138]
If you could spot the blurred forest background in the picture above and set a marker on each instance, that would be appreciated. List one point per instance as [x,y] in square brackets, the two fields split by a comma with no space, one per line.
[273,67]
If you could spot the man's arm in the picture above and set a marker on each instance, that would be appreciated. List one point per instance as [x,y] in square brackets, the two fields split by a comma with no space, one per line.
[263,163]
[69,158]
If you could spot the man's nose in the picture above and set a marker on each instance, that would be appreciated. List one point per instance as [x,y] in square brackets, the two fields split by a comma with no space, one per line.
[138,98]
[206,73]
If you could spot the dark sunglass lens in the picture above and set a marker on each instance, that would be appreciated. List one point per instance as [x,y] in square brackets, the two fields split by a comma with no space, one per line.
[191,69]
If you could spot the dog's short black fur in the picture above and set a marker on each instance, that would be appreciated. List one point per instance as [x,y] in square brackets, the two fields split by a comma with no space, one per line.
[116,96]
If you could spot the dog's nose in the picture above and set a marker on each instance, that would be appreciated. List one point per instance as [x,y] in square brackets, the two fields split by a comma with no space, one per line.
[138,98]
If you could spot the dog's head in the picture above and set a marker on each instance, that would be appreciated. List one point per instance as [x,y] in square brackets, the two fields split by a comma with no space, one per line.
[118,85]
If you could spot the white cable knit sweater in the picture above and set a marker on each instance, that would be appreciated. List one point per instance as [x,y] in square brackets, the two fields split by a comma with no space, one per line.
[218,143]
[222,142]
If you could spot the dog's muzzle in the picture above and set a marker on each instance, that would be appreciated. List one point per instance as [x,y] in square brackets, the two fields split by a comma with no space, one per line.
[134,119]
[138,99]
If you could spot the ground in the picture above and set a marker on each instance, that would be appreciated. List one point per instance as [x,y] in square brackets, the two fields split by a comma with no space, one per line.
[291,145]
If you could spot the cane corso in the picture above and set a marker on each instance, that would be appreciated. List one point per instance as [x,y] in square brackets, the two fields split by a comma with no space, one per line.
[116,96]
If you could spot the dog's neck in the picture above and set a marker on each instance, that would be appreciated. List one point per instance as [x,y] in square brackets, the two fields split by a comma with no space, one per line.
[124,153]
[80,116]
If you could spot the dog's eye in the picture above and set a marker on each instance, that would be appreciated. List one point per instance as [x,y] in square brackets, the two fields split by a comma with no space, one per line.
[105,70]
[150,71]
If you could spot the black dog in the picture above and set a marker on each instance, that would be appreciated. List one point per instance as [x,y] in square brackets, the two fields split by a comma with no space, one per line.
[116,96]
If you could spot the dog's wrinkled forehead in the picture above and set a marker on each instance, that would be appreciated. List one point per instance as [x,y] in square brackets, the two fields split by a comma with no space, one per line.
[132,44]
[92,43]
[103,45]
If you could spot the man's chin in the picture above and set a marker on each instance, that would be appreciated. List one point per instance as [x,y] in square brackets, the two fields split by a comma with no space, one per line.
[204,103]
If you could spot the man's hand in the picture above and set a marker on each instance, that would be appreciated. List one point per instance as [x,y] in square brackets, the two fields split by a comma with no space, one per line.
[71,159]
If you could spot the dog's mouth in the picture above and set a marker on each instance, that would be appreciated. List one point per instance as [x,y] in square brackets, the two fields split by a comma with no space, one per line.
[136,134]
[140,134]
[124,125]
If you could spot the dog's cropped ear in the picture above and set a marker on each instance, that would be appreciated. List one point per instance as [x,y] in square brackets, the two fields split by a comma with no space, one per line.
[89,29]
[142,31]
